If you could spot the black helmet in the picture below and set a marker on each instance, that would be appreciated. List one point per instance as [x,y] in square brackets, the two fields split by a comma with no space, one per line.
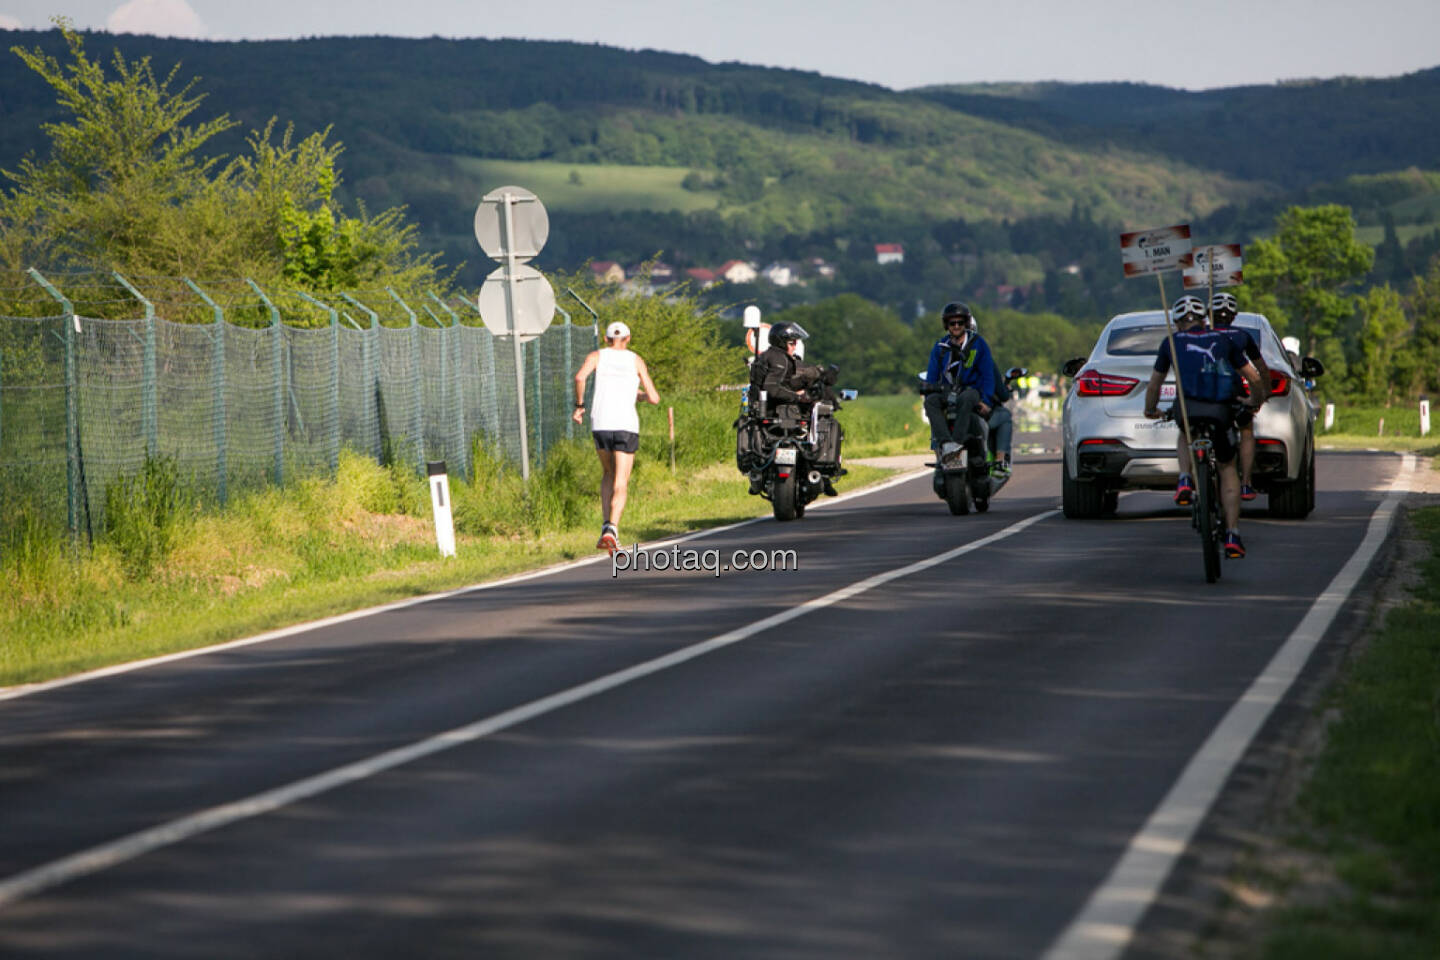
[956,309]
[783,333]
[1223,307]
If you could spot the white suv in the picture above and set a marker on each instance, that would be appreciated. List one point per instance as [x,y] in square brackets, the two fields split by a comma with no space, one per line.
[1109,446]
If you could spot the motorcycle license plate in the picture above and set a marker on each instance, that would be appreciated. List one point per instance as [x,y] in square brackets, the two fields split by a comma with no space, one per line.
[785,455]
[1167,391]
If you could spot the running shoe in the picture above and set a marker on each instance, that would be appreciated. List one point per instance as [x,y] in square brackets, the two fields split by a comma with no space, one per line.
[1184,491]
[1247,492]
[1000,469]
[609,539]
[1234,546]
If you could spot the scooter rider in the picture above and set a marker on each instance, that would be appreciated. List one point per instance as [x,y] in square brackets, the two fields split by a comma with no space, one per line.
[1002,423]
[960,367]
[1223,310]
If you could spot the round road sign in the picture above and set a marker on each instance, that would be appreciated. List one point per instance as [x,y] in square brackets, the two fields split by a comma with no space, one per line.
[527,213]
[534,305]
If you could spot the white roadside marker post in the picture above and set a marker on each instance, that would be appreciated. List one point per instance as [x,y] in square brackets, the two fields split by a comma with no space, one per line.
[1424,416]
[440,501]
[1329,415]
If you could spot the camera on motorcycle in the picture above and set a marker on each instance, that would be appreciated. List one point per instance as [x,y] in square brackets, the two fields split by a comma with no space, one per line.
[1072,366]
[832,373]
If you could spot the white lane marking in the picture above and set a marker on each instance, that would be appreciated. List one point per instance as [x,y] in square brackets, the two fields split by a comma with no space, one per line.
[106,855]
[24,690]
[1106,924]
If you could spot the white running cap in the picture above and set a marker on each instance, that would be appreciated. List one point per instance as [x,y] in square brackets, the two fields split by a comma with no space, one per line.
[616,330]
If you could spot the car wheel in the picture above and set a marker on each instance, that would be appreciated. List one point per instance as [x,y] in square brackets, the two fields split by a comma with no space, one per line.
[1078,501]
[1310,485]
[1291,500]
[1110,502]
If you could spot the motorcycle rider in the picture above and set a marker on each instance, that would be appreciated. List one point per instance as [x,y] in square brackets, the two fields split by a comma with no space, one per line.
[1223,309]
[961,373]
[1002,423]
[784,381]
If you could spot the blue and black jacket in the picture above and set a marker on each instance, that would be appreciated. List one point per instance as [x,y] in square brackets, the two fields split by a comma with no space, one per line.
[969,366]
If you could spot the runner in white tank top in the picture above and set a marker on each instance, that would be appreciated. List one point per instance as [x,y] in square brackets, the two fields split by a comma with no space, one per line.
[620,377]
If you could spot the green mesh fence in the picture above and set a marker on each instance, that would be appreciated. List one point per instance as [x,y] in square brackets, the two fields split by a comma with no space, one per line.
[240,400]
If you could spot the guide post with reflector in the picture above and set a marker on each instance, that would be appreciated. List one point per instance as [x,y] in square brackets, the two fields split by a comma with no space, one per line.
[440,501]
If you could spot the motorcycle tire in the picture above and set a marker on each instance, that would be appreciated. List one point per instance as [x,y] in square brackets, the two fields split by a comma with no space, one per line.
[957,494]
[784,495]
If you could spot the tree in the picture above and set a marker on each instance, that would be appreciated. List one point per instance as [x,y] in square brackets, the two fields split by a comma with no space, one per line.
[127,186]
[1420,363]
[1382,335]
[1305,267]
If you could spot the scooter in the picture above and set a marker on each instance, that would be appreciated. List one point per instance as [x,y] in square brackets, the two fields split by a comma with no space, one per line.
[972,481]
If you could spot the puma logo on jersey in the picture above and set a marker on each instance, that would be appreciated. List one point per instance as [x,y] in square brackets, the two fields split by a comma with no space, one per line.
[1207,351]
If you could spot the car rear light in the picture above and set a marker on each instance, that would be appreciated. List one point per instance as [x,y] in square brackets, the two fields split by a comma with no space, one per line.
[1093,383]
[1279,385]
[1099,441]
[1269,442]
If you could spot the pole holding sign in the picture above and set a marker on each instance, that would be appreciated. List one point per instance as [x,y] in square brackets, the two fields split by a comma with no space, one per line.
[1159,251]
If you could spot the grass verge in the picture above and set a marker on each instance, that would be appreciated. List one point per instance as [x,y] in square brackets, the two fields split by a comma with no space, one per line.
[321,547]
[1368,820]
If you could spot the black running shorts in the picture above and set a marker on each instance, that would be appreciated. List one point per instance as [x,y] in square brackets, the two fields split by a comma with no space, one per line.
[619,441]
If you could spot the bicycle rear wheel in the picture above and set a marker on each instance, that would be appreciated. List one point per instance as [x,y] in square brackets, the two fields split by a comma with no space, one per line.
[1207,512]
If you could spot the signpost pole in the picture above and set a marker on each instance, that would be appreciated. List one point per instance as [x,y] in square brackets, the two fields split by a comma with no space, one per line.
[510,301]
[1174,361]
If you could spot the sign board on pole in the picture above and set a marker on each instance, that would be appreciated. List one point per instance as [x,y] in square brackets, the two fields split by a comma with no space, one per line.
[534,305]
[1155,251]
[531,224]
[1218,265]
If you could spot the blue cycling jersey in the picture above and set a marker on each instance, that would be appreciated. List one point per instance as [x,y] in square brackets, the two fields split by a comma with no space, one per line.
[1209,364]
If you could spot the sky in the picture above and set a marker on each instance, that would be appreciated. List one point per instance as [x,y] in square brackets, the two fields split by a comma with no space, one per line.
[896,43]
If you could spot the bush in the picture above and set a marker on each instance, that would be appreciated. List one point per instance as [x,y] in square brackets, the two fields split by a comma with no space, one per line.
[140,514]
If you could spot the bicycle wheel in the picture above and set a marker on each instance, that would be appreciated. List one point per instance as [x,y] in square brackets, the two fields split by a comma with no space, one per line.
[1207,509]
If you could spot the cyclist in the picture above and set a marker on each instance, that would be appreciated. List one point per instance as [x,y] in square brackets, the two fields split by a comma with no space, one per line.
[961,368]
[1223,309]
[1208,362]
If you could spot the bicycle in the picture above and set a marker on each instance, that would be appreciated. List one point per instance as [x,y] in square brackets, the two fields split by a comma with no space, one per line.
[1207,514]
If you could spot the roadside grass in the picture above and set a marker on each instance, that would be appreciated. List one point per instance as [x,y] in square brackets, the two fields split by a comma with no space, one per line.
[1401,423]
[883,426]
[1371,810]
[196,576]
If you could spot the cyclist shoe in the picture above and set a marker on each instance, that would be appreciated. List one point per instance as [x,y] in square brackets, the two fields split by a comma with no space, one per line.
[1247,492]
[1184,491]
[1234,546]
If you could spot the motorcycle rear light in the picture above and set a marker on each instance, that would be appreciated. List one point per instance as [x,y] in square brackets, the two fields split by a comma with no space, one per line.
[1093,383]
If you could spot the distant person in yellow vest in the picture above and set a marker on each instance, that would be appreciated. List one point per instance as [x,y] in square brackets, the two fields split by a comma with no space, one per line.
[621,378]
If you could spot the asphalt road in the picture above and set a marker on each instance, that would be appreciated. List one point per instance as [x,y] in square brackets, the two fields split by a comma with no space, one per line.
[944,764]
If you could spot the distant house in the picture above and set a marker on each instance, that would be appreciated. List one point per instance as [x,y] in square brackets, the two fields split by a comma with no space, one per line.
[780,274]
[737,271]
[661,272]
[699,275]
[821,266]
[607,271]
[889,253]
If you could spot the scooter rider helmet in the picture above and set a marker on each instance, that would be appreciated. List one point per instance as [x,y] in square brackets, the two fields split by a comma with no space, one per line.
[1224,307]
[1188,307]
[783,333]
[956,309]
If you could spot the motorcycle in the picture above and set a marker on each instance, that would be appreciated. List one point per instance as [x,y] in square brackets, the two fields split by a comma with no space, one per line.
[972,481]
[793,453]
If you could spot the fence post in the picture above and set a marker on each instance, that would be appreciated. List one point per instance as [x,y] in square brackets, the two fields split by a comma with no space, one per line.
[569,368]
[539,417]
[418,421]
[218,375]
[367,370]
[149,405]
[334,377]
[72,426]
[277,366]
[459,438]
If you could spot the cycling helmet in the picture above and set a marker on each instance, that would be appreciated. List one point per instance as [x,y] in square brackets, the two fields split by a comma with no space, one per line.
[783,333]
[1188,307]
[1223,307]
[956,309]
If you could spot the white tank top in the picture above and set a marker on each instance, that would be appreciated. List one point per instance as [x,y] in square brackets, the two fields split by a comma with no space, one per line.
[616,382]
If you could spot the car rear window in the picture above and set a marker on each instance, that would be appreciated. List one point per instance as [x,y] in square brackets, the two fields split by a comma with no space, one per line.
[1135,341]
